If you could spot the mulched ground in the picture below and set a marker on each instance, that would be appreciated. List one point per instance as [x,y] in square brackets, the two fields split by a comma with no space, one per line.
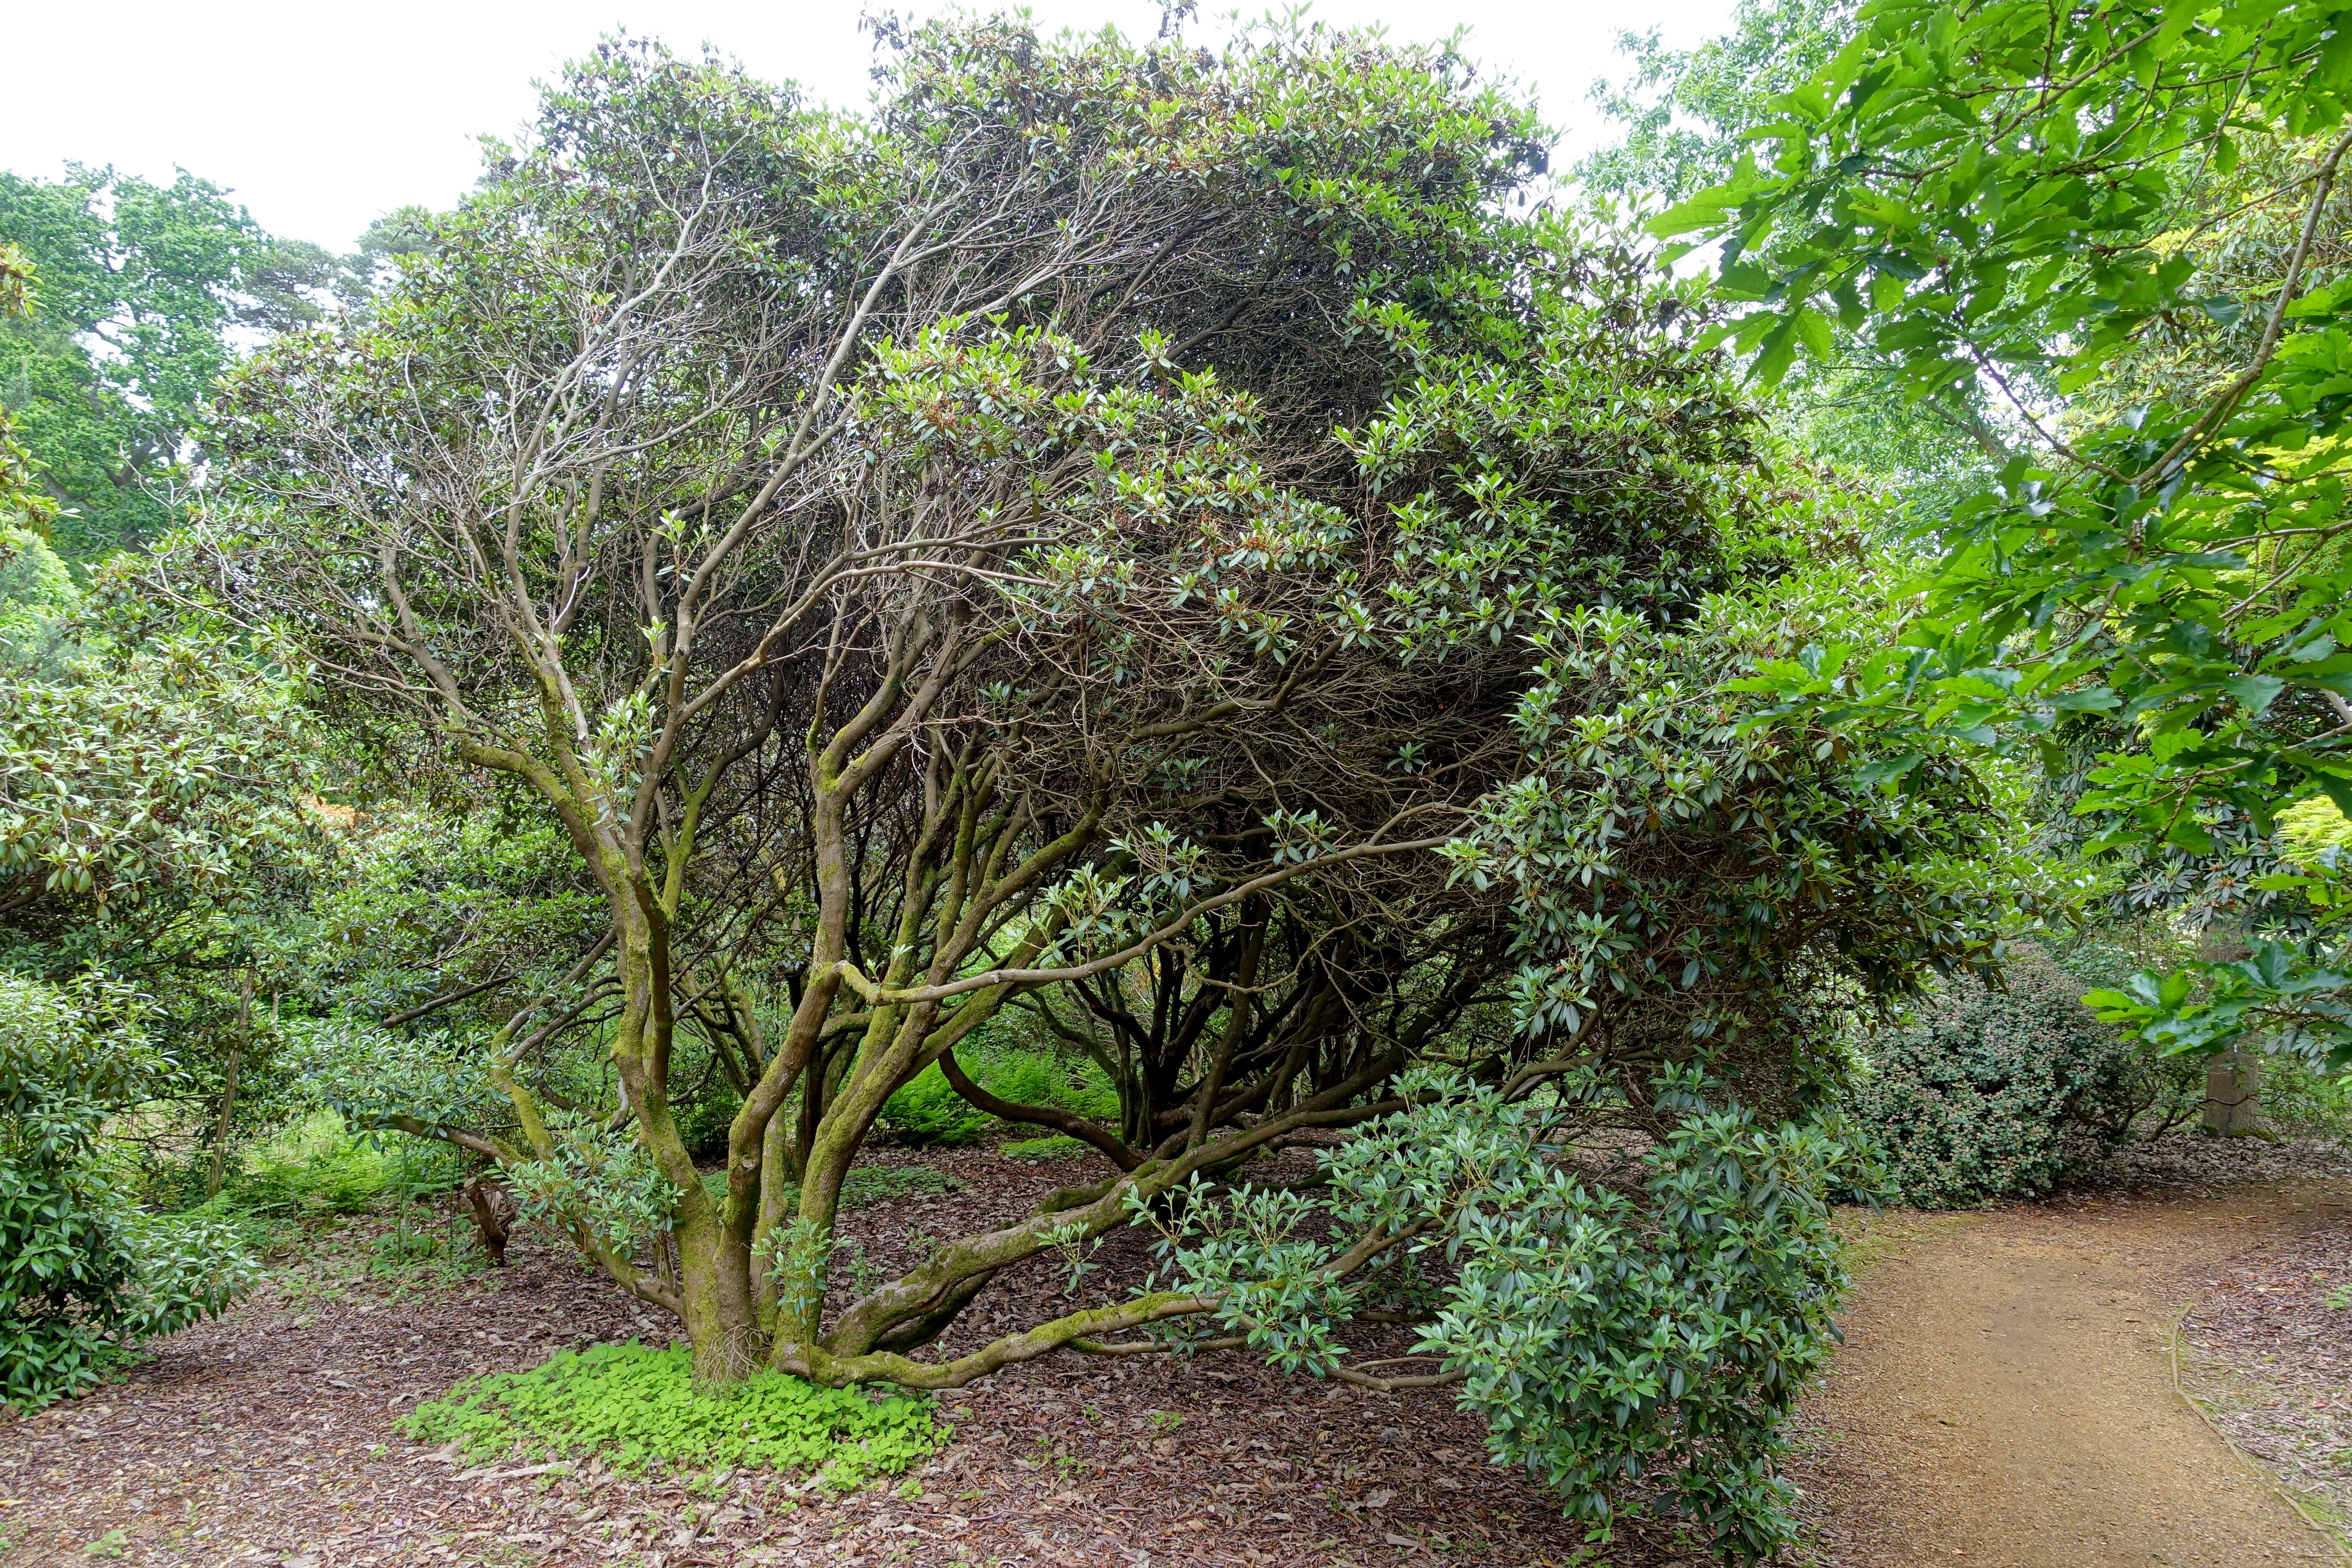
[2267,1353]
[268,1437]
[2189,1162]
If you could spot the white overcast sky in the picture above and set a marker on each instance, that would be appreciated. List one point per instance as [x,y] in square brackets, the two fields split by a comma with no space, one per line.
[319,117]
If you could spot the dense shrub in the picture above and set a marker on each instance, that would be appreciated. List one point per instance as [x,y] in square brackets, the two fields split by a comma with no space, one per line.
[639,1405]
[1634,1340]
[83,1272]
[1988,1089]
[702,1124]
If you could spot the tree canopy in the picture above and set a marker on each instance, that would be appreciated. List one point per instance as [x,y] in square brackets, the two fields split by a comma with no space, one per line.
[2122,219]
[1145,541]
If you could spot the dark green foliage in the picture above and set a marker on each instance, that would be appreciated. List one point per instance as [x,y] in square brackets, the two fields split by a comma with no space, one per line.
[2301,1103]
[473,900]
[80,1271]
[702,1124]
[138,290]
[1634,1343]
[1990,1090]
[62,1271]
[638,1407]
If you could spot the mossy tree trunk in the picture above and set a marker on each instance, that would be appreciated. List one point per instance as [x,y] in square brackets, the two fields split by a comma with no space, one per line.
[921,563]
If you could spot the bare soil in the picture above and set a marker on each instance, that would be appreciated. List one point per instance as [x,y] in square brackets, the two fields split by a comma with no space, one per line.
[2005,1395]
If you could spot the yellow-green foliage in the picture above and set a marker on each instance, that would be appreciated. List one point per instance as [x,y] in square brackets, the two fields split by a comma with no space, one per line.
[928,1110]
[315,1167]
[638,1407]
[2316,824]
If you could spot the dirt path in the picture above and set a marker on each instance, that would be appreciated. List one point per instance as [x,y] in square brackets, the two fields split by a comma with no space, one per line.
[2005,1394]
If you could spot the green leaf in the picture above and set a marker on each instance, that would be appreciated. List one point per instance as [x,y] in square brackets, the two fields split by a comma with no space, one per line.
[2255,692]
[1885,768]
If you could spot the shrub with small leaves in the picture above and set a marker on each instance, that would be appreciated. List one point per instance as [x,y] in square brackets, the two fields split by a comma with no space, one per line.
[1988,1089]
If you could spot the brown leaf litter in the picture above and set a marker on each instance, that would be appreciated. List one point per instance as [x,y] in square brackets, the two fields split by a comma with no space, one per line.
[268,1437]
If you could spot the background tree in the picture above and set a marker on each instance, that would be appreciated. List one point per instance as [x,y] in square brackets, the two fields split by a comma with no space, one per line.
[1688,116]
[1686,113]
[147,293]
[2020,195]
[140,285]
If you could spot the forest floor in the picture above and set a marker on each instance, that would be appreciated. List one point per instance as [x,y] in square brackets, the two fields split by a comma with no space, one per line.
[2006,1396]
[270,1437]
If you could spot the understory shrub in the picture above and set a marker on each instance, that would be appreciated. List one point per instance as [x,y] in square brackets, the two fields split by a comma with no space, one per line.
[637,1407]
[315,1168]
[702,1124]
[1989,1090]
[930,1111]
[83,1272]
[1634,1343]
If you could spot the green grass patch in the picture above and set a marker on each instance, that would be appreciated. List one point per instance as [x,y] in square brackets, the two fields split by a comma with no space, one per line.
[930,1111]
[1056,1147]
[638,1407]
[864,1186]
